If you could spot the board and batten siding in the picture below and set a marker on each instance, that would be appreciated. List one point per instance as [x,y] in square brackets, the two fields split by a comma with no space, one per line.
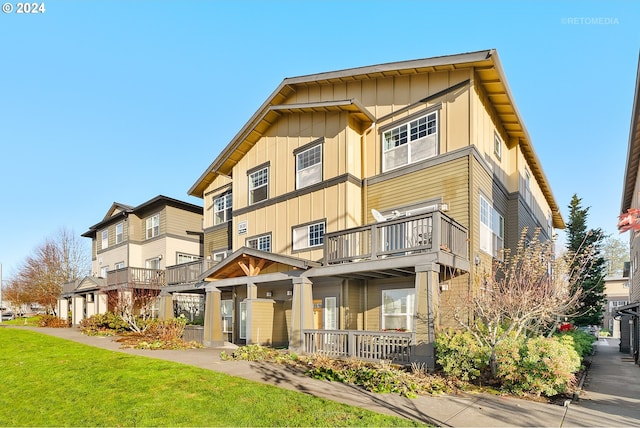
[180,221]
[217,239]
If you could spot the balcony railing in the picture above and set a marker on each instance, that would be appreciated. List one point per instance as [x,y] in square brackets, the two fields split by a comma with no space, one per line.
[136,277]
[426,232]
[363,345]
[187,273]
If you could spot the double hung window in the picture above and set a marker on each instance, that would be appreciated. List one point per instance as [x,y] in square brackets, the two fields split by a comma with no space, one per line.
[410,142]
[105,239]
[259,185]
[398,309]
[222,209]
[227,316]
[153,226]
[491,229]
[119,233]
[309,166]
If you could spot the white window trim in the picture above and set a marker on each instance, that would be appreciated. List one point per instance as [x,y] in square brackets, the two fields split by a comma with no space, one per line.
[242,333]
[410,308]
[527,188]
[104,239]
[497,146]
[302,236]
[187,258]
[227,202]
[150,226]
[221,255]
[494,242]
[120,236]
[227,318]
[260,239]
[330,313]
[410,143]
[119,265]
[253,188]
[316,176]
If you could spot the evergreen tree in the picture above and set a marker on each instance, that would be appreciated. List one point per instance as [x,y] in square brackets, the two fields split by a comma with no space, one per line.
[591,280]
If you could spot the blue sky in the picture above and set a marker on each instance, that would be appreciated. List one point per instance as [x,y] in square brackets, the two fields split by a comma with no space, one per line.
[107,101]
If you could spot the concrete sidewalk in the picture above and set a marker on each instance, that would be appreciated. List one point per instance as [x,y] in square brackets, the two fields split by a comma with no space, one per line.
[611,396]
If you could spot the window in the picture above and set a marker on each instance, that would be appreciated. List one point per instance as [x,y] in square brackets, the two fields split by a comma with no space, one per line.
[308,236]
[527,187]
[262,243]
[259,185]
[153,263]
[397,309]
[410,142]
[220,255]
[186,258]
[330,321]
[309,167]
[119,233]
[153,226]
[243,320]
[103,271]
[491,229]
[119,265]
[105,239]
[227,316]
[497,146]
[222,209]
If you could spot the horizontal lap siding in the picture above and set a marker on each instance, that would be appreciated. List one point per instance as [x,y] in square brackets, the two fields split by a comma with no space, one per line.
[449,180]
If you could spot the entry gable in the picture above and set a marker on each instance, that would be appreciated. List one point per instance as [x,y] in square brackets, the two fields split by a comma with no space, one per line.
[251,262]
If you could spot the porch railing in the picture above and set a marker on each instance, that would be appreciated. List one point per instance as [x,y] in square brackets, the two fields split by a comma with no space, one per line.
[187,273]
[426,232]
[364,345]
[132,276]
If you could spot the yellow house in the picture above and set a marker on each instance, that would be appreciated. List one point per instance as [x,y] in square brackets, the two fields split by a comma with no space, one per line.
[352,210]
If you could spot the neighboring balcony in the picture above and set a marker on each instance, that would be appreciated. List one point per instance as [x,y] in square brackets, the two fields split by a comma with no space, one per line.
[136,278]
[188,273]
[430,232]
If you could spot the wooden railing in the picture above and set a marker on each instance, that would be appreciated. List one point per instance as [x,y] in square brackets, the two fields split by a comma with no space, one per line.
[136,277]
[187,273]
[364,345]
[426,232]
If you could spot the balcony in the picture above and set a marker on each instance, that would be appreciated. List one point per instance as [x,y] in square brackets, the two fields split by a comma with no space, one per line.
[430,232]
[187,273]
[136,278]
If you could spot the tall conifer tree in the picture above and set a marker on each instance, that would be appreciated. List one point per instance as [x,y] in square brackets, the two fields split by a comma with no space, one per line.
[591,281]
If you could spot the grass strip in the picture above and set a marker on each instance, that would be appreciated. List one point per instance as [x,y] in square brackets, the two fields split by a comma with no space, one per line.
[48,381]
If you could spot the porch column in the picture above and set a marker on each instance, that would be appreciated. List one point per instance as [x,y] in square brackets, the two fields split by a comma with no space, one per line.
[77,311]
[166,307]
[301,312]
[213,318]
[63,308]
[252,295]
[426,312]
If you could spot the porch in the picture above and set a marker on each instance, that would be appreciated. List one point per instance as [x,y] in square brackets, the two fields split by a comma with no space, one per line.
[363,345]
[135,278]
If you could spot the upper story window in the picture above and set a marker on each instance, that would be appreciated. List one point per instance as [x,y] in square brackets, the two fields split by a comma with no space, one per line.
[153,263]
[497,146]
[309,166]
[119,265]
[119,233]
[527,187]
[308,236]
[262,243]
[153,226]
[103,271]
[186,258]
[219,256]
[222,209]
[491,229]
[259,185]
[105,239]
[410,142]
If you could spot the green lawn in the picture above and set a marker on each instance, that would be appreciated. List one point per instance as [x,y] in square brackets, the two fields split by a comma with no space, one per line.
[48,381]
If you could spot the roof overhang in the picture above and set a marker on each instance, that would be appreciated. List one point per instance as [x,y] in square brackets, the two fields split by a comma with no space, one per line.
[488,74]
[633,150]
[247,262]
[632,309]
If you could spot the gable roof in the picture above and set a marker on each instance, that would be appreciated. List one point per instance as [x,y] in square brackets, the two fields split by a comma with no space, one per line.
[119,210]
[633,150]
[249,262]
[488,74]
